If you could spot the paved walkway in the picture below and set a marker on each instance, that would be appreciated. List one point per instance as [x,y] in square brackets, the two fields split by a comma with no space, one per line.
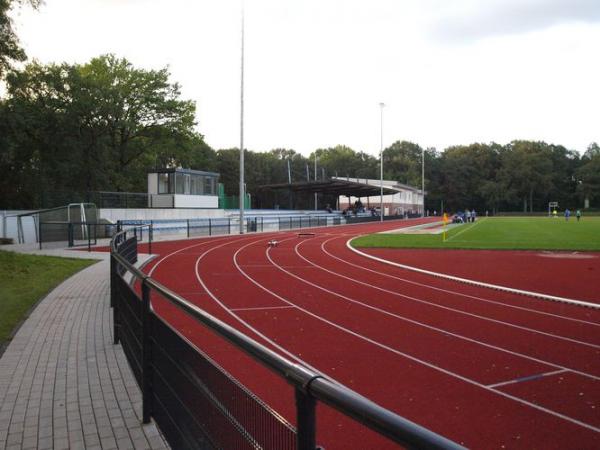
[63,384]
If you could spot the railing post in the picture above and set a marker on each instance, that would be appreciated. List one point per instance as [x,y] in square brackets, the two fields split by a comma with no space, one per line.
[146,354]
[114,293]
[40,231]
[187,227]
[150,237]
[229,225]
[209,227]
[70,234]
[306,420]
[89,229]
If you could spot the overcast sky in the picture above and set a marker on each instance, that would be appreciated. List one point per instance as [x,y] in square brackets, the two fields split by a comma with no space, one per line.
[450,71]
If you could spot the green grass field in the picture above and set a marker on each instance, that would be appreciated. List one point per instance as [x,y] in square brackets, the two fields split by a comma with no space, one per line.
[514,233]
[24,279]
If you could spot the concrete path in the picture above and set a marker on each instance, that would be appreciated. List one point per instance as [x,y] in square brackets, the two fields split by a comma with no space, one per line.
[63,384]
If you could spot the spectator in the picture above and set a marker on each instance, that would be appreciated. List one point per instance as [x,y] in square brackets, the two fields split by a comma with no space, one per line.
[578,215]
[567,214]
[467,215]
[473,215]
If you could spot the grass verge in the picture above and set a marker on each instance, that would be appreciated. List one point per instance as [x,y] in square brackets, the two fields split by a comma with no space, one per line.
[25,279]
[515,233]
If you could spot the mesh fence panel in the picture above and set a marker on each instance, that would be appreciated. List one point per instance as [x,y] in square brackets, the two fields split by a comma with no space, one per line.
[201,403]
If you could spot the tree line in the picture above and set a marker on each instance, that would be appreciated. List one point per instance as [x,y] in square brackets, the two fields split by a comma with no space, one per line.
[100,126]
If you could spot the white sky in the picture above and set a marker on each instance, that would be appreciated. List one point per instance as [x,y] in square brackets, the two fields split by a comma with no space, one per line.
[450,71]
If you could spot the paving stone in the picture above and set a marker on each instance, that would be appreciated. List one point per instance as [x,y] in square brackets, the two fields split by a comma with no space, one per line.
[63,384]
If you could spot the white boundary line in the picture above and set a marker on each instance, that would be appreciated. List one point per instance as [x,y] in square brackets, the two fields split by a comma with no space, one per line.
[473,225]
[410,357]
[378,344]
[474,282]
[436,305]
[458,293]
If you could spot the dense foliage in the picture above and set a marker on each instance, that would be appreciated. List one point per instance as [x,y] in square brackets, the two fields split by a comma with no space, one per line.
[102,125]
[10,50]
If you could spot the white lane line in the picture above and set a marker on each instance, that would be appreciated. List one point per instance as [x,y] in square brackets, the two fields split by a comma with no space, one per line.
[458,311]
[529,378]
[473,225]
[168,255]
[238,318]
[473,297]
[412,358]
[262,308]
[477,283]
[421,324]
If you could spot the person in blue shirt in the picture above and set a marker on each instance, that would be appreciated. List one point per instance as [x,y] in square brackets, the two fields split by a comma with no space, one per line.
[567,214]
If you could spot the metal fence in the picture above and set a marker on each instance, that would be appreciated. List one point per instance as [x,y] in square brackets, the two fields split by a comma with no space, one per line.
[229,225]
[60,234]
[197,404]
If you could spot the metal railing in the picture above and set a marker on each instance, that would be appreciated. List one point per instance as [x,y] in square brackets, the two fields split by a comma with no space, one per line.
[197,404]
[229,225]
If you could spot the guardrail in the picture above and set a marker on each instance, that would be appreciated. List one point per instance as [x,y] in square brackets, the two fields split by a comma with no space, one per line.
[197,404]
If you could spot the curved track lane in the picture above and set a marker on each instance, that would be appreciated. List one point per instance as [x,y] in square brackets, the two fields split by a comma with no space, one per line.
[485,368]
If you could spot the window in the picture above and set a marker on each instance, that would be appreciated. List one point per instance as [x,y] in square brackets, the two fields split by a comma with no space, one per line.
[209,186]
[163,183]
[179,183]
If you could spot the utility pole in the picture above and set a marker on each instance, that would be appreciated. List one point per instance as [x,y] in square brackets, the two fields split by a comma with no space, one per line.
[242,184]
[381,106]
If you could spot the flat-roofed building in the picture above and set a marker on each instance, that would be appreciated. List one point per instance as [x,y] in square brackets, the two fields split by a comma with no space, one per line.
[406,200]
[182,188]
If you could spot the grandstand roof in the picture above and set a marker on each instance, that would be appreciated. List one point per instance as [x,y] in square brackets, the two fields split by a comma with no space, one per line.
[333,186]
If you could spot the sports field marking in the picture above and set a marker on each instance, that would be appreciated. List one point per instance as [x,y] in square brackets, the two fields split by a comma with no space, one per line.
[473,225]
[450,308]
[518,400]
[262,308]
[164,258]
[528,378]
[439,330]
[476,283]
[473,297]
[416,360]
[235,316]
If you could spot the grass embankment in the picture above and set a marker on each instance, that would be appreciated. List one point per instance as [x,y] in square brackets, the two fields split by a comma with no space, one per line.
[24,279]
[515,233]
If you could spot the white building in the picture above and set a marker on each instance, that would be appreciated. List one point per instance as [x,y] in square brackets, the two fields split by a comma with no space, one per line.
[182,188]
[406,200]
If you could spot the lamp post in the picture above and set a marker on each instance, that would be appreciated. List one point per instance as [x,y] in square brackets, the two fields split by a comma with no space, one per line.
[423,179]
[315,179]
[242,184]
[381,106]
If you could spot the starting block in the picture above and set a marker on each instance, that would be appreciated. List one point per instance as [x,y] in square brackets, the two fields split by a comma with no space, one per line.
[273,243]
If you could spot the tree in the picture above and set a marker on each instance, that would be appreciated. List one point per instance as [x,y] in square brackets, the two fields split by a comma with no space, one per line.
[588,175]
[97,126]
[402,162]
[464,171]
[10,50]
[526,170]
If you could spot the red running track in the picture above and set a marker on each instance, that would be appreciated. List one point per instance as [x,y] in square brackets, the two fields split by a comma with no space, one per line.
[482,367]
[572,275]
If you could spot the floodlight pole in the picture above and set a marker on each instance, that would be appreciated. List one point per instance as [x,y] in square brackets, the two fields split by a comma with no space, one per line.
[315,180]
[381,106]
[423,179]
[242,185]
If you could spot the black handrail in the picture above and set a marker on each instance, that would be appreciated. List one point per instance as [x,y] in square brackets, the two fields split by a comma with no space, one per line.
[309,385]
